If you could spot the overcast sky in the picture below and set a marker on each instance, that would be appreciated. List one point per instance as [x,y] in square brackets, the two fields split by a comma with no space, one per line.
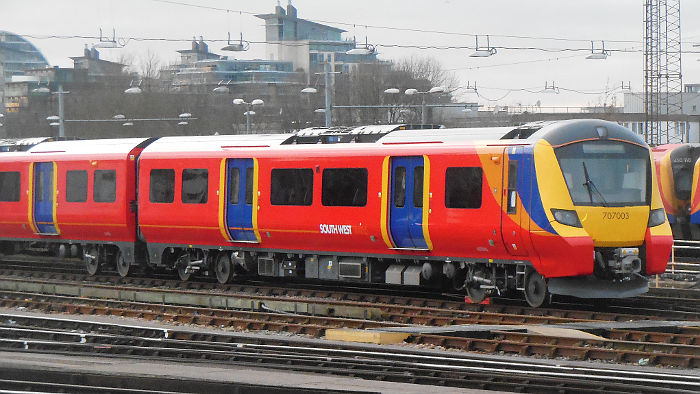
[553,29]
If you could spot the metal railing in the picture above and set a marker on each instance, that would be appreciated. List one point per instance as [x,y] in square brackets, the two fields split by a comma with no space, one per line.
[682,269]
[677,267]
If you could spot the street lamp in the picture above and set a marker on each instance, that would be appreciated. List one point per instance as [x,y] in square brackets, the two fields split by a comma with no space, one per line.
[412,92]
[390,110]
[222,88]
[185,116]
[134,89]
[54,120]
[58,119]
[328,106]
[249,112]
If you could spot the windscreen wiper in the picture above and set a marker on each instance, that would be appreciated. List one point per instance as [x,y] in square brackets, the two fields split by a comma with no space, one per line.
[590,186]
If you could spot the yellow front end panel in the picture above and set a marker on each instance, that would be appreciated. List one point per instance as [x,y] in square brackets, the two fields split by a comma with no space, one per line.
[553,190]
[615,226]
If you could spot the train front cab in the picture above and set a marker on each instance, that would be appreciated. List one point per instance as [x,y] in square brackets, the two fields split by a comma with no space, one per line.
[601,191]
[677,173]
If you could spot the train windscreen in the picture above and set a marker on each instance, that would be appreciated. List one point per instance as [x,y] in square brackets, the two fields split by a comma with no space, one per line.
[606,173]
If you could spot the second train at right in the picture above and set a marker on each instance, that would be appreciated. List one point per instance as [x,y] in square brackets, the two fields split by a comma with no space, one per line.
[678,170]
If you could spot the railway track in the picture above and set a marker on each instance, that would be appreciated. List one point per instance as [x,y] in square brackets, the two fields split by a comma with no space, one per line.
[659,303]
[311,310]
[407,309]
[672,344]
[79,337]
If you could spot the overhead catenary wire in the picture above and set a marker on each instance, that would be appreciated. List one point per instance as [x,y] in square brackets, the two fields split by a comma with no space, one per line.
[123,41]
[534,90]
[414,30]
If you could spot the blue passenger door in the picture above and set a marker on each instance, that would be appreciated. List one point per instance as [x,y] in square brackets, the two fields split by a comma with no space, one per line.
[406,202]
[240,175]
[43,198]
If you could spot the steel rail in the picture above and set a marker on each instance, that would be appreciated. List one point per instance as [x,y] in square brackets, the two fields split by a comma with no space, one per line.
[525,344]
[272,291]
[386,364]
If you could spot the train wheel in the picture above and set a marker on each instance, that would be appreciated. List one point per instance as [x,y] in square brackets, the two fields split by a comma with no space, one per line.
[92,260]
[473,286]
[535,288]
[476,293]
[181,266]
[223,268]
[182,273]
[123,266]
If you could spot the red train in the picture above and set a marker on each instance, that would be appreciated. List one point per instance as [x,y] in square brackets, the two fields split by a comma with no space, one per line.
[567,208]
[678,170]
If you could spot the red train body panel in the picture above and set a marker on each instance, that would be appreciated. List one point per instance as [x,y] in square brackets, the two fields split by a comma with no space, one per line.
[568,207]
[102,215]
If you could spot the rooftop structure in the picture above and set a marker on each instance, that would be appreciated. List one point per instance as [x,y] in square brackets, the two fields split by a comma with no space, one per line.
[308,45]
[225,71]
[16,56]
[285,26]
[198,52]
[96,67]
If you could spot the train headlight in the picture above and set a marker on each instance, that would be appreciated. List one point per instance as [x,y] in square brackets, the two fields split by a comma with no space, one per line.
[565,216]
[657,217]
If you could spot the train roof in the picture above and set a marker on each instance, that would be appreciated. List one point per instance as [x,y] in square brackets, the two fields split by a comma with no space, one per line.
[216,142]
[83,147]
[556,133]
[373,134]
[23,144]
[566,131]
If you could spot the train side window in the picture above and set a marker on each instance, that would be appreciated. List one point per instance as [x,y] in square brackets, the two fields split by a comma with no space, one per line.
[76,186]
[162,186]
[105,186]
[195,184]
[512,187]
[9,186]
[249,185]
[291,186]
[39,186]
[344,187]
[400,187]
[463,187]
[418,187]
[233,184]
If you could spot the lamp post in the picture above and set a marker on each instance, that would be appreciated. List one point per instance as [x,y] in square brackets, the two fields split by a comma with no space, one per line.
[390,110]
[59,120]
[328,106]
[248,113]
[308,91]
[412,92]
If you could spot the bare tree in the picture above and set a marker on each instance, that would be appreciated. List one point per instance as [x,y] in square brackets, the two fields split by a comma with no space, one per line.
[362,90]
[150,65]
[427,70]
